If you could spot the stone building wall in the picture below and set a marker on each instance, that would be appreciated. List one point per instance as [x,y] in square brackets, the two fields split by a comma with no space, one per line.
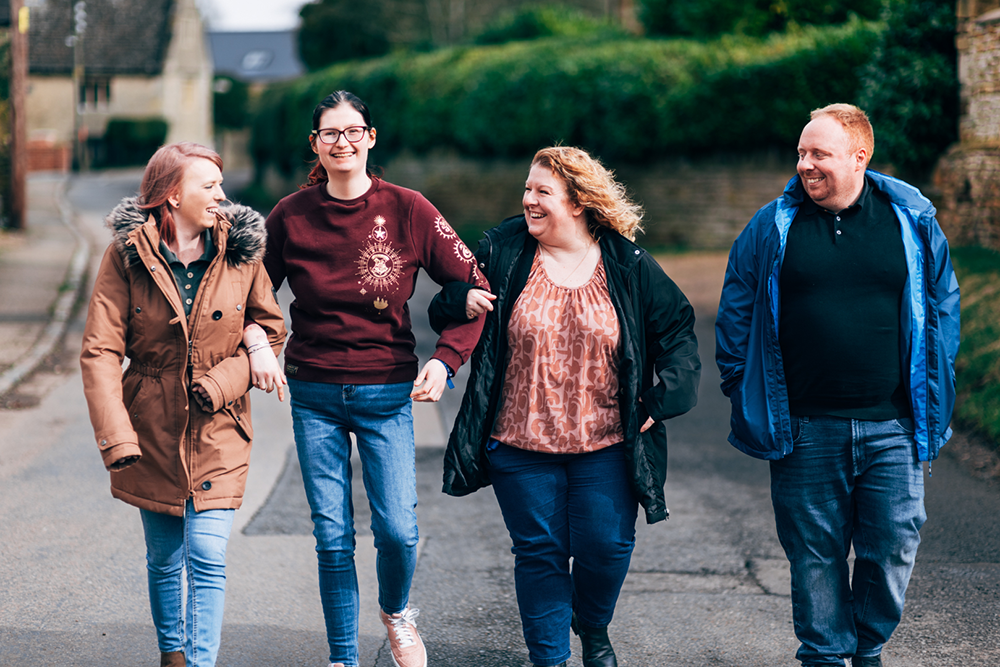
[967,178]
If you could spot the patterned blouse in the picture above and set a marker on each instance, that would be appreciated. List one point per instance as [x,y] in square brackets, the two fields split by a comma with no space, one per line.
[561,386]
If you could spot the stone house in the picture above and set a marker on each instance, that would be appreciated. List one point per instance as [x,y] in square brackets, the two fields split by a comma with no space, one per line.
[142,59]
[968,176]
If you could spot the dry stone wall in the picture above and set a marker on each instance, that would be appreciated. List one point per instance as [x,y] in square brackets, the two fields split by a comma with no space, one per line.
[967,179]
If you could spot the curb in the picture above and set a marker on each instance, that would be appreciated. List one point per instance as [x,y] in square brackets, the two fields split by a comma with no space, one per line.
[63,307]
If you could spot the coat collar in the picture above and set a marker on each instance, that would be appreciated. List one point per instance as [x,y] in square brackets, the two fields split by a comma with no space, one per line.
[240,234]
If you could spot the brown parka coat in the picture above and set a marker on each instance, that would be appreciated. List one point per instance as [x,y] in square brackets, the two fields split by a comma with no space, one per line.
[136,313]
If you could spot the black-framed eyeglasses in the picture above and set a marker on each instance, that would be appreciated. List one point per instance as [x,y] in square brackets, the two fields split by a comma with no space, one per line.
[353,134]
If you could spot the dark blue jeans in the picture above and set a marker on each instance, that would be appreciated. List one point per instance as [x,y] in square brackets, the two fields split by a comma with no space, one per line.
[558,507]
[848,481]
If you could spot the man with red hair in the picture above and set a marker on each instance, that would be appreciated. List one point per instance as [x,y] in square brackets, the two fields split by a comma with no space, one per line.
[836,338]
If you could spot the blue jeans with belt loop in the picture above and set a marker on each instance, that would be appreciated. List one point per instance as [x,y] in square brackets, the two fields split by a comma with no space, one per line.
[380,415]
[193,545]
[848,481]
[559,507]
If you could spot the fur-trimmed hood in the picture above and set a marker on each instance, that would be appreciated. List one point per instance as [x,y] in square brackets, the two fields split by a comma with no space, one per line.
[241,227]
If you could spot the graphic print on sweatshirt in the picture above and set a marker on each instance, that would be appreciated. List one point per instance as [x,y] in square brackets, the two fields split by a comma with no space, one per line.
[461,250]
[379,266]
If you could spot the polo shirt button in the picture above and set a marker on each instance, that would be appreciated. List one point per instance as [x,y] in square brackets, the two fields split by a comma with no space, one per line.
[190,275]
[637,251]
[206,485]
[838,232]
[217,315]
[187,301]
[482,265]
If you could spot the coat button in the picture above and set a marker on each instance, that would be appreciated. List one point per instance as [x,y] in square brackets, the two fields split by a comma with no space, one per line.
[217,315]
[152,268]
[103,442]
[230,403]
[239,307]
[206,485]
[138,310]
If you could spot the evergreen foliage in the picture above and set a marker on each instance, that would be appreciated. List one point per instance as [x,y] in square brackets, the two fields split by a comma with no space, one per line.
[534,21]
[630,99]
[910,86]
[977,370]
[335,30]
[711,18]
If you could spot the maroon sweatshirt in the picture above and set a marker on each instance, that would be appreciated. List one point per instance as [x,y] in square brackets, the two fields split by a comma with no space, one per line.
[352,266]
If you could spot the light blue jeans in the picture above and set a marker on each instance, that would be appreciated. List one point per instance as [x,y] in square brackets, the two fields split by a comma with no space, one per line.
[848,481]
[380,415]
[195,545]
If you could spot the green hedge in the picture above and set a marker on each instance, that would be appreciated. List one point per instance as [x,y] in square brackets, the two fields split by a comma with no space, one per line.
[977,370]
[630,99]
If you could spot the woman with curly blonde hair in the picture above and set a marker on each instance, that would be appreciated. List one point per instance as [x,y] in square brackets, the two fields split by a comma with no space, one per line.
[561,414]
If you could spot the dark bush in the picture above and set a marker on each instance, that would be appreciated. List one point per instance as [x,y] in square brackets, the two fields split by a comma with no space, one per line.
[230,103]
[910,86]
[336,30]
[712,18]
[131,141]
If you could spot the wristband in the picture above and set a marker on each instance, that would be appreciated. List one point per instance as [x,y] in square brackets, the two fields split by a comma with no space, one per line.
[451,373]
[256,348]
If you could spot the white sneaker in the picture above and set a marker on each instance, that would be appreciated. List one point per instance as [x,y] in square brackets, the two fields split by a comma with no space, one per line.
[404,641]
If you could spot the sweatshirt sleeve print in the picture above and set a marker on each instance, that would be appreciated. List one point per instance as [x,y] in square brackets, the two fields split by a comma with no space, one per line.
[445,258]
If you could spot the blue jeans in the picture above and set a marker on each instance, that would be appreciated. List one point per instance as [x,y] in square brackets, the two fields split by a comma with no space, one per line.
[324,415]
[196,544]
[558,507]
[848,481]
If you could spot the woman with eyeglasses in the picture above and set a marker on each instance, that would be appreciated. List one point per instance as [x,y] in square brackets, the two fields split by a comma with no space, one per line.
[349,244]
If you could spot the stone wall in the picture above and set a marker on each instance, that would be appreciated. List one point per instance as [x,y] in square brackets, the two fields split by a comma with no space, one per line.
[967,179]
[688,204]
[702,204]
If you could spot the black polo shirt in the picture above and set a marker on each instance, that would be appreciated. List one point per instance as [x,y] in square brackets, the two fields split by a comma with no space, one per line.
[188,278]
[842,284]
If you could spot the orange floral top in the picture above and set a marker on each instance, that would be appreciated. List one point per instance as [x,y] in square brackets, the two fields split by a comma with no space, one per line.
[561,386]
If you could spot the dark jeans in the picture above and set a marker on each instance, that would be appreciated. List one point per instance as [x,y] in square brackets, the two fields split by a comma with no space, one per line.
[848,481]
[558,507]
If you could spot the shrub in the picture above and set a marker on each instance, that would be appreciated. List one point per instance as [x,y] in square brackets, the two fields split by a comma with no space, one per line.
[910,86]
[712,18]
[631,99]
[131,141]
[230,103]
[977,371]
[532,22]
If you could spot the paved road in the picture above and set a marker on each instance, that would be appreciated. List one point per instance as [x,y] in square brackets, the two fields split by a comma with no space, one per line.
[708,587]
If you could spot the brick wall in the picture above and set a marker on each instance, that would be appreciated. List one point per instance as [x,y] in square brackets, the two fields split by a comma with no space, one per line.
[967,178]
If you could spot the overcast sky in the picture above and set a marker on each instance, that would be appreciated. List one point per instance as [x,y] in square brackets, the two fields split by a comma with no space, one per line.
[251,15]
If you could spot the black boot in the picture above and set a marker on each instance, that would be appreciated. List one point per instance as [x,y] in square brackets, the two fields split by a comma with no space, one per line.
[597,649]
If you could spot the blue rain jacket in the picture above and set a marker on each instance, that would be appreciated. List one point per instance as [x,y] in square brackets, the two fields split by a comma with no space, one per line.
[747,349]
